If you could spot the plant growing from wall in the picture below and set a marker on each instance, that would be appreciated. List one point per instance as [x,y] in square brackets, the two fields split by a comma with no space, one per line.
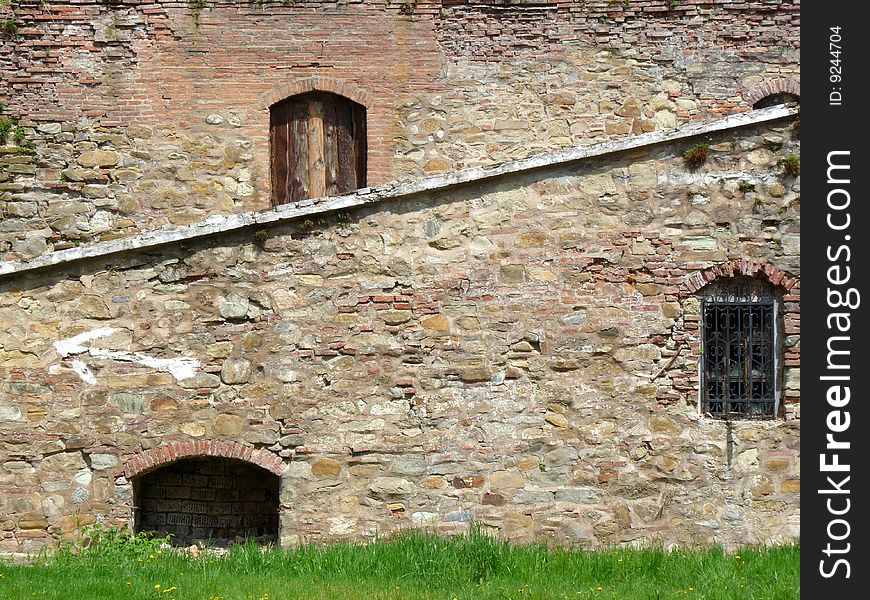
[9,27]
[196,7]
[7,124]
[260,237]
[10,125]
[407,7]
[745,186]
[791,165]
[343,221]
[696,156]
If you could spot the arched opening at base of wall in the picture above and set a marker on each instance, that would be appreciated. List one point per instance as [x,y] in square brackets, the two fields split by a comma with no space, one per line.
[208,499]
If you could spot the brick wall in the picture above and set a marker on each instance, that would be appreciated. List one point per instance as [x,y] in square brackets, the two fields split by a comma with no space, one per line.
[175,99]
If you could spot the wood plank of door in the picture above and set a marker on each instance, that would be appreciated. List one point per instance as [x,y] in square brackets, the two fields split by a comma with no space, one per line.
[316,164]
[331,147]
[298,153]
[281,118]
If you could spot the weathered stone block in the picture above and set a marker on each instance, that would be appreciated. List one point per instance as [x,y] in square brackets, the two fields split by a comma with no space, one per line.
[397,317]
[391,486]
[236,370]
[99,158]
[436,323]
[504,480]
[664,426]
[101,462]
[790,486]
[228,426]
[325,467]
[32,521]
[557,420]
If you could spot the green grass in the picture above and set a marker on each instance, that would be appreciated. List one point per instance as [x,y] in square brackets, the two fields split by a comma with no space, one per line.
[415,566]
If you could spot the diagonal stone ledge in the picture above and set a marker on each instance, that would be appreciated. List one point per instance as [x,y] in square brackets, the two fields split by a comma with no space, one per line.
[222,223]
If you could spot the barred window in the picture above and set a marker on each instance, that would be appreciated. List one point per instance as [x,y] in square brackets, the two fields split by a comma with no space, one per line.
[741,349]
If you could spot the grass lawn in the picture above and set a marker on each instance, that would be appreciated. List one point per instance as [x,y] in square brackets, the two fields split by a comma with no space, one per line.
[415,566]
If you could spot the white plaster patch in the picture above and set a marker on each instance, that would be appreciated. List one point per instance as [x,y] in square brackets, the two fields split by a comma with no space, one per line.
[84,372]
[180,367]
[75,344]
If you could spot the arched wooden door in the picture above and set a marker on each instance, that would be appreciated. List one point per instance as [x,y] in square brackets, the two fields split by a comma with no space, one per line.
[318,147]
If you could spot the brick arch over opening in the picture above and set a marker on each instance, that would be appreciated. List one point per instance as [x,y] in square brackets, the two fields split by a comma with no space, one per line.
[768,272]
[785,85]
[316,84]
[169,453]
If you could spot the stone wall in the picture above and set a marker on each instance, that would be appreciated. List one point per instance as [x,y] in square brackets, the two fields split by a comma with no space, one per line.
[137,115]
[520,351]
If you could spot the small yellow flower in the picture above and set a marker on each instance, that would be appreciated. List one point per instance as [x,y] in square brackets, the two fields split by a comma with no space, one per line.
[156,586]
[737,557]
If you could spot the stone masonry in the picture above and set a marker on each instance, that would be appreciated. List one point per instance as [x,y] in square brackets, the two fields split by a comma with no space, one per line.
[520,351]
[503,330]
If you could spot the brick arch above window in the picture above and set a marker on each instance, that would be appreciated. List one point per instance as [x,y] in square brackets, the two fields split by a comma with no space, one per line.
[168,453]
[747,268]
[773,87]
[316,84]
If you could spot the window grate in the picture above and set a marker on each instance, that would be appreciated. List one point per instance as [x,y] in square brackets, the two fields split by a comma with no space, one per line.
[739,366]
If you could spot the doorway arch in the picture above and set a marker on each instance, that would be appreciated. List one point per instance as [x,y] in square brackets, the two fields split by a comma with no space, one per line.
[220,494]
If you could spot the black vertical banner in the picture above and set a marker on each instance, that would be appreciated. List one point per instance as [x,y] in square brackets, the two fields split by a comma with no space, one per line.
[835,252]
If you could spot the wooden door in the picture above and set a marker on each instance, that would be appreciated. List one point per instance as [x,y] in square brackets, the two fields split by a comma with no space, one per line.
[318,147]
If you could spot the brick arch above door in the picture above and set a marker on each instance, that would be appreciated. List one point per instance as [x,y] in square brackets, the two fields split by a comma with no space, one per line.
[316,84]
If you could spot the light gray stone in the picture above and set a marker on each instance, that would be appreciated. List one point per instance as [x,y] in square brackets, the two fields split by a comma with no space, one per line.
[31,247]
[578,495]
[236,370]
[390,486]
[101,462]
[234,307]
